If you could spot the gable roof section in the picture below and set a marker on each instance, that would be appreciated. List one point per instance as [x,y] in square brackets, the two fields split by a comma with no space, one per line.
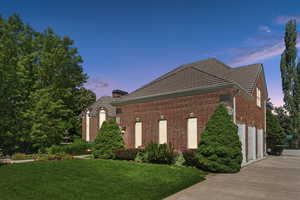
[245,76]
[103,102]
[200,75]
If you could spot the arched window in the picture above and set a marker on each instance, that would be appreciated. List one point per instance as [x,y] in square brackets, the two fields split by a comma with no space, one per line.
[102,117]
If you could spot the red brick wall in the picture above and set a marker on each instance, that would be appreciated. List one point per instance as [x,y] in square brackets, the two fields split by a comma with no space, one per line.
[249,113]
[175,111]
[246,109]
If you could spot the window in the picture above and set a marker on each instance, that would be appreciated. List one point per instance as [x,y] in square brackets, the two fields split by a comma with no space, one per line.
[102,117]
[258,97]
[192,140]
[87,128]
[138,134]
[163,131]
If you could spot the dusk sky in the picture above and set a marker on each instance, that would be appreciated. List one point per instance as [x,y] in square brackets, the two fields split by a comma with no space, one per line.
[126,44]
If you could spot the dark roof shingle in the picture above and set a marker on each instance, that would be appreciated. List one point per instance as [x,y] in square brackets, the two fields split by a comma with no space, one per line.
[198,75]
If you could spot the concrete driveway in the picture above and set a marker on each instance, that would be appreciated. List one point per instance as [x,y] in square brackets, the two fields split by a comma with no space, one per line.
[276,178]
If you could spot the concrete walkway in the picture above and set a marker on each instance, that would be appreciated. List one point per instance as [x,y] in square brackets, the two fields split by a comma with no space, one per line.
[276,178]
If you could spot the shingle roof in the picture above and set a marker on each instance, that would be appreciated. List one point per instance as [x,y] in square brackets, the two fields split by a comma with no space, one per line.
[198,75]
[103,102]
[245,76]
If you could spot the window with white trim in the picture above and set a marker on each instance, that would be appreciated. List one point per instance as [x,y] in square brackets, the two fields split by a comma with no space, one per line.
[163,132]
[138,134]
[192,140]
[258,97]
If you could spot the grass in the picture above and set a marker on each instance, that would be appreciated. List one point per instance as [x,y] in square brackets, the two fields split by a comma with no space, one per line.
[93,179]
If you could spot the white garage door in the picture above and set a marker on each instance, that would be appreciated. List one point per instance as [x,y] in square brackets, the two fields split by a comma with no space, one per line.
[242,134]
[192,133]
[251,143]
[260,143]
[138,134]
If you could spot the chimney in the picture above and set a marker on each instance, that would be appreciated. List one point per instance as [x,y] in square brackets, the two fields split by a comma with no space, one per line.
[118,93]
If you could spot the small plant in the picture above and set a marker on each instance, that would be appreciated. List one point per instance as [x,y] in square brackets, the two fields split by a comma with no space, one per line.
[126,154]
[159,153]
[108,140]
[179,159]
[190,157]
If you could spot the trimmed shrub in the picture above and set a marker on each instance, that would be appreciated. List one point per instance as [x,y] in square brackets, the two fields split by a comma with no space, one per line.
[108,140]
[220,148]
[159,153]
[78,147]
[190,157]
[126,154]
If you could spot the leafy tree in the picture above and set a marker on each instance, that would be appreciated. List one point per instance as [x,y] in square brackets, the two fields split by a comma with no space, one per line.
[284,120]
[49,117]
[220,148]
[108,140]
[275,134]
[31,63]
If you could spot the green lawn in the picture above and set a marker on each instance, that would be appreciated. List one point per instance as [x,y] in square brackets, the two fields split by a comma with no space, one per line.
[93,179]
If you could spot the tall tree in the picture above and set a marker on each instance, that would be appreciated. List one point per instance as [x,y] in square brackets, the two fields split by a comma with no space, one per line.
[290,74]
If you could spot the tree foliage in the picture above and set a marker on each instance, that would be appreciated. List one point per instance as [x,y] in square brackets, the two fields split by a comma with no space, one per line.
[109,139]
[220,148]
[275,134]
[290,75]
[41,80]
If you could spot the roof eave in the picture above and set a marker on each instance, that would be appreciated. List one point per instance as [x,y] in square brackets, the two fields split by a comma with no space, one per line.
[186,92]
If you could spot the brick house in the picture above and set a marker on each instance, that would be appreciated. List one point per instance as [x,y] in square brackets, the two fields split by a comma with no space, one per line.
[175,107]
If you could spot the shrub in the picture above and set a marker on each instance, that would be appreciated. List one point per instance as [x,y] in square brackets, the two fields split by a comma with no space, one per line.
[159,153]
[126,154]
[20,156]
[179,159]
[220,148]
[190,157]
[55,149]
[108,140]
[275,135]
[78,147]
[46,157]
[139,156]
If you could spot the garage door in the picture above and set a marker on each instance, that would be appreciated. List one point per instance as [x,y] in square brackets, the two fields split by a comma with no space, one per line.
[242,134]
[251,143]
[260,143]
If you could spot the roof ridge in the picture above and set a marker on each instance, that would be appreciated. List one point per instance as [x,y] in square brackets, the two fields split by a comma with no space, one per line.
[211,74]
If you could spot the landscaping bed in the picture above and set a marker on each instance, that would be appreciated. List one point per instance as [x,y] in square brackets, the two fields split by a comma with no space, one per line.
[94,179]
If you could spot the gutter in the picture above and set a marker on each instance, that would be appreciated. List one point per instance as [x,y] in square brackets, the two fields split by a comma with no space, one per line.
[180,93]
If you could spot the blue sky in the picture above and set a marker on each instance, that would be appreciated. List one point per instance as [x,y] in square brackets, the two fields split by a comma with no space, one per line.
[126,44]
